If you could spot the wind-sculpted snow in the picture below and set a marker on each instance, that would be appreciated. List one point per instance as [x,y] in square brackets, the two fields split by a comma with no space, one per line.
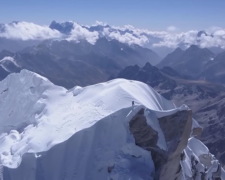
[7,62]
[48,132]
[36,115]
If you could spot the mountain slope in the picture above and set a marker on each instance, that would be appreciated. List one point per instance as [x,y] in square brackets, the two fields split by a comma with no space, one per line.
[197,63]
[15,45]
[214,70]
[191,62]
[98,126]
[69,63]
[171,58]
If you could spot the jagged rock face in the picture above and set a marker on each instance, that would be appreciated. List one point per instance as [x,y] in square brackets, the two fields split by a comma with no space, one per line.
[177,135]
[176,129]
[173,127]
[146,137]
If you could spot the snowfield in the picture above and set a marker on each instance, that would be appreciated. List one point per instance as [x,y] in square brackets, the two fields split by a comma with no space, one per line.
[37,116]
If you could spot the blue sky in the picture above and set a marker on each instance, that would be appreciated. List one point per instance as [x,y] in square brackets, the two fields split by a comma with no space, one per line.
[151,14]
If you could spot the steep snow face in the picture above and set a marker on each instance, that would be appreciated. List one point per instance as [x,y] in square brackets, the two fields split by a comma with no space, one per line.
[36,115]
[106,150]
[23,97]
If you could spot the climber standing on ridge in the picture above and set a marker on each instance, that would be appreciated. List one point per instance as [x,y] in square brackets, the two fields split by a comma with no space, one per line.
[132,103]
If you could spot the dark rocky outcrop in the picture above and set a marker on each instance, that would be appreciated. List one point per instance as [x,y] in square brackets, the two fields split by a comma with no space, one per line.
[177,135]
[147,138]
[176,129]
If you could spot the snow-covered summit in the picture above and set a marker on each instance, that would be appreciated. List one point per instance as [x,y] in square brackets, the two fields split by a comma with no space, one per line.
[95,123]
[30,101]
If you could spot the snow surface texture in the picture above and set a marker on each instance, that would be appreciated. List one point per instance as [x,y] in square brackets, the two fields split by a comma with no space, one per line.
[199,160]
[50,114]
[36,116]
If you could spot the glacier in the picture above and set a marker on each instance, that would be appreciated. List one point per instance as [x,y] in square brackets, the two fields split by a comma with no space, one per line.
[50,133]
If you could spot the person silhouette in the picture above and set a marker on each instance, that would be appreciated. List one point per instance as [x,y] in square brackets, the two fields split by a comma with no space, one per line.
[132,103]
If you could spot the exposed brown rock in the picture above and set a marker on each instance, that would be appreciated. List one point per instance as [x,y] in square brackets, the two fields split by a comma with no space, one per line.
[176,128]
[146,137]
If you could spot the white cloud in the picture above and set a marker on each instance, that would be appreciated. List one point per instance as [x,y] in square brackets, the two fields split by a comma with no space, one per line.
[172,29]
[216,39]
[125,37]
[99,23]
[28,31]
[173,40]
[79,33]
[213,29]
[126,34]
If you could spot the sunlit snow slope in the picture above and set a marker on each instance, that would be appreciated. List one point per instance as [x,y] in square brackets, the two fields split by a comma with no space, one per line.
[83,130]
[50,114]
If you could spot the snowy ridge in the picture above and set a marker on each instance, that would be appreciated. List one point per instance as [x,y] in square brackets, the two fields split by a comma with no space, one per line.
[7,60]
[92,123]
[46,110]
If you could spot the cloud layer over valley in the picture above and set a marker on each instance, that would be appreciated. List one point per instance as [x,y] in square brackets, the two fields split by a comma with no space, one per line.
[171,38]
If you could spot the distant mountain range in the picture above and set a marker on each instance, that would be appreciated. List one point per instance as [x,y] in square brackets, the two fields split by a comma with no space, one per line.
[69,63]
[197,63]
[162,42]
[105,29]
